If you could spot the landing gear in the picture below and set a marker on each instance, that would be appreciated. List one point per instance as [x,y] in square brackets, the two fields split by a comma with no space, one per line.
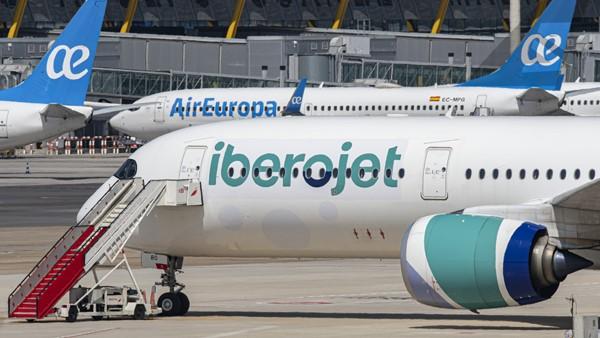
[174,302]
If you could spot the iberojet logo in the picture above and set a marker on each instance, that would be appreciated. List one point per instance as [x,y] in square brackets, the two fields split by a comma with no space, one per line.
[269,169]
[546,46]
[210,107]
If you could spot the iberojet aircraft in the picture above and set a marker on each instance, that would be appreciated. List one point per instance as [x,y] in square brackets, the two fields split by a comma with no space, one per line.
[529,83]
[482,212]
[51,101]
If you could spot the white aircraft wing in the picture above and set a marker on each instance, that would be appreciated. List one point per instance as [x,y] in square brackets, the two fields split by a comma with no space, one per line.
[585,197]
[110,111]
[63,112]
[576,92]
[537,101]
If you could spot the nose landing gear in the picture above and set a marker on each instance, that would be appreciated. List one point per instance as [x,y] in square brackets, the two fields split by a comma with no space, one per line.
[174,302]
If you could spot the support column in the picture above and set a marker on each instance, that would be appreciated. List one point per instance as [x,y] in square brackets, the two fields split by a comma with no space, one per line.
[339,14]
[131,9]
[515,24]
[235,19]
[539,9]
[440,16]
[13,31]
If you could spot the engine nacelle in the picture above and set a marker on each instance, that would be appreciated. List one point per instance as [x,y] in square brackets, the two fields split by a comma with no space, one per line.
[478,262]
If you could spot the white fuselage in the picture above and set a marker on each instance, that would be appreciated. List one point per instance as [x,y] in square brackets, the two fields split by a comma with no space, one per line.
[181,109]
[585,104]
[428,161]
[25,123]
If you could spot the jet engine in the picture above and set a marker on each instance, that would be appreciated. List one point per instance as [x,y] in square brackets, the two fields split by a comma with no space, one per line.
[478,262]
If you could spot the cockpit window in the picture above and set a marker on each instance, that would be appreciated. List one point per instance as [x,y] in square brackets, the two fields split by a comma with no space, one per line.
[127,170]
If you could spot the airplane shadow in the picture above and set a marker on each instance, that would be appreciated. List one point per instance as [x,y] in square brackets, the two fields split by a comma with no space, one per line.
[545,322]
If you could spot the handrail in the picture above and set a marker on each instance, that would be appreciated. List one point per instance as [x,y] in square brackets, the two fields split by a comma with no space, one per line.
[52,250]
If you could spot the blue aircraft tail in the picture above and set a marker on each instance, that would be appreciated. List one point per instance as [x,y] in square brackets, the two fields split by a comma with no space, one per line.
[537,60]
[63,75]
[294,106]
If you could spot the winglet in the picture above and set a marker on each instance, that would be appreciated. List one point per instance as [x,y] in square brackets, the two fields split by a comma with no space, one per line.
[295,104]
[537,60]
[63,75]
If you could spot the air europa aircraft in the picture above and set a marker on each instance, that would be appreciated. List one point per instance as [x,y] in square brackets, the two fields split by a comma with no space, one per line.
[529,83]
[414,189]
[51,101]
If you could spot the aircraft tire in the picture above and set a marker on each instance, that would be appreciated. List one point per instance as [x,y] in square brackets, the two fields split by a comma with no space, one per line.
[185,303]
[170,304]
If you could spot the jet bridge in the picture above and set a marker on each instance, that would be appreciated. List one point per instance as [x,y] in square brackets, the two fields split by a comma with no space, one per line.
[97,239]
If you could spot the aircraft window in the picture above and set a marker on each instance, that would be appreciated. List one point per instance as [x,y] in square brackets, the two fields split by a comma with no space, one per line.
[418,107]
[437,107]
[393,107]
[307,108]
[462,107]
[577,174]
[282,172]
[563,174]
[375,173]
[536,174]
[406,107]
[328,108]
[256,172]
[597,101]
[269,172]
[386,107]
[321,173]
[243,172]
[430,107]
[359,107]
[366,108]
[295,172]
[572,102]
[373,108]
[412,107]
[335,172]
[334,108]
[578,102]
[495,174]
[401,173]
[230,171]
[585,102]
[348,173]
[322,108]
[353,108]
[308,172]
[549,174]
[347,108]
[522,174]
[399,107]
[127,170]
[481,174]
[508,174]
[468,174]
[592,174]
[388,173]
[443,107]
[361,173]
[379,108]
[591,102]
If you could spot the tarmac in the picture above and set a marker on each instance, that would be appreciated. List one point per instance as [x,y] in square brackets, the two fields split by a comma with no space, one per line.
[248,297]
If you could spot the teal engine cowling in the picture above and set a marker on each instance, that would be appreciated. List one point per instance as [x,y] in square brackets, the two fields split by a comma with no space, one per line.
[478,262]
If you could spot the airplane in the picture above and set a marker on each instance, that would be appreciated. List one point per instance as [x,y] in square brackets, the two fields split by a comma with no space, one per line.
[51,101]
[529,83]
[515,205]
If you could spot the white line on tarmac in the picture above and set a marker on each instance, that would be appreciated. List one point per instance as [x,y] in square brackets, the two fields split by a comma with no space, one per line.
[86,333]
[240,332]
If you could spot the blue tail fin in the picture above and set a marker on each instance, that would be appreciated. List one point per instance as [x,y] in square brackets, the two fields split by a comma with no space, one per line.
[537,60]
[63,75]
[293,107]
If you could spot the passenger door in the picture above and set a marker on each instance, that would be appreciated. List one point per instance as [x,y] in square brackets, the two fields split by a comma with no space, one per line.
[435,174]
[191,167]
[159,109]
[3,123]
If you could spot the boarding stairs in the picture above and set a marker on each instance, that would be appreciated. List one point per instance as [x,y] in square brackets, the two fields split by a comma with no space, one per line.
[96,240]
